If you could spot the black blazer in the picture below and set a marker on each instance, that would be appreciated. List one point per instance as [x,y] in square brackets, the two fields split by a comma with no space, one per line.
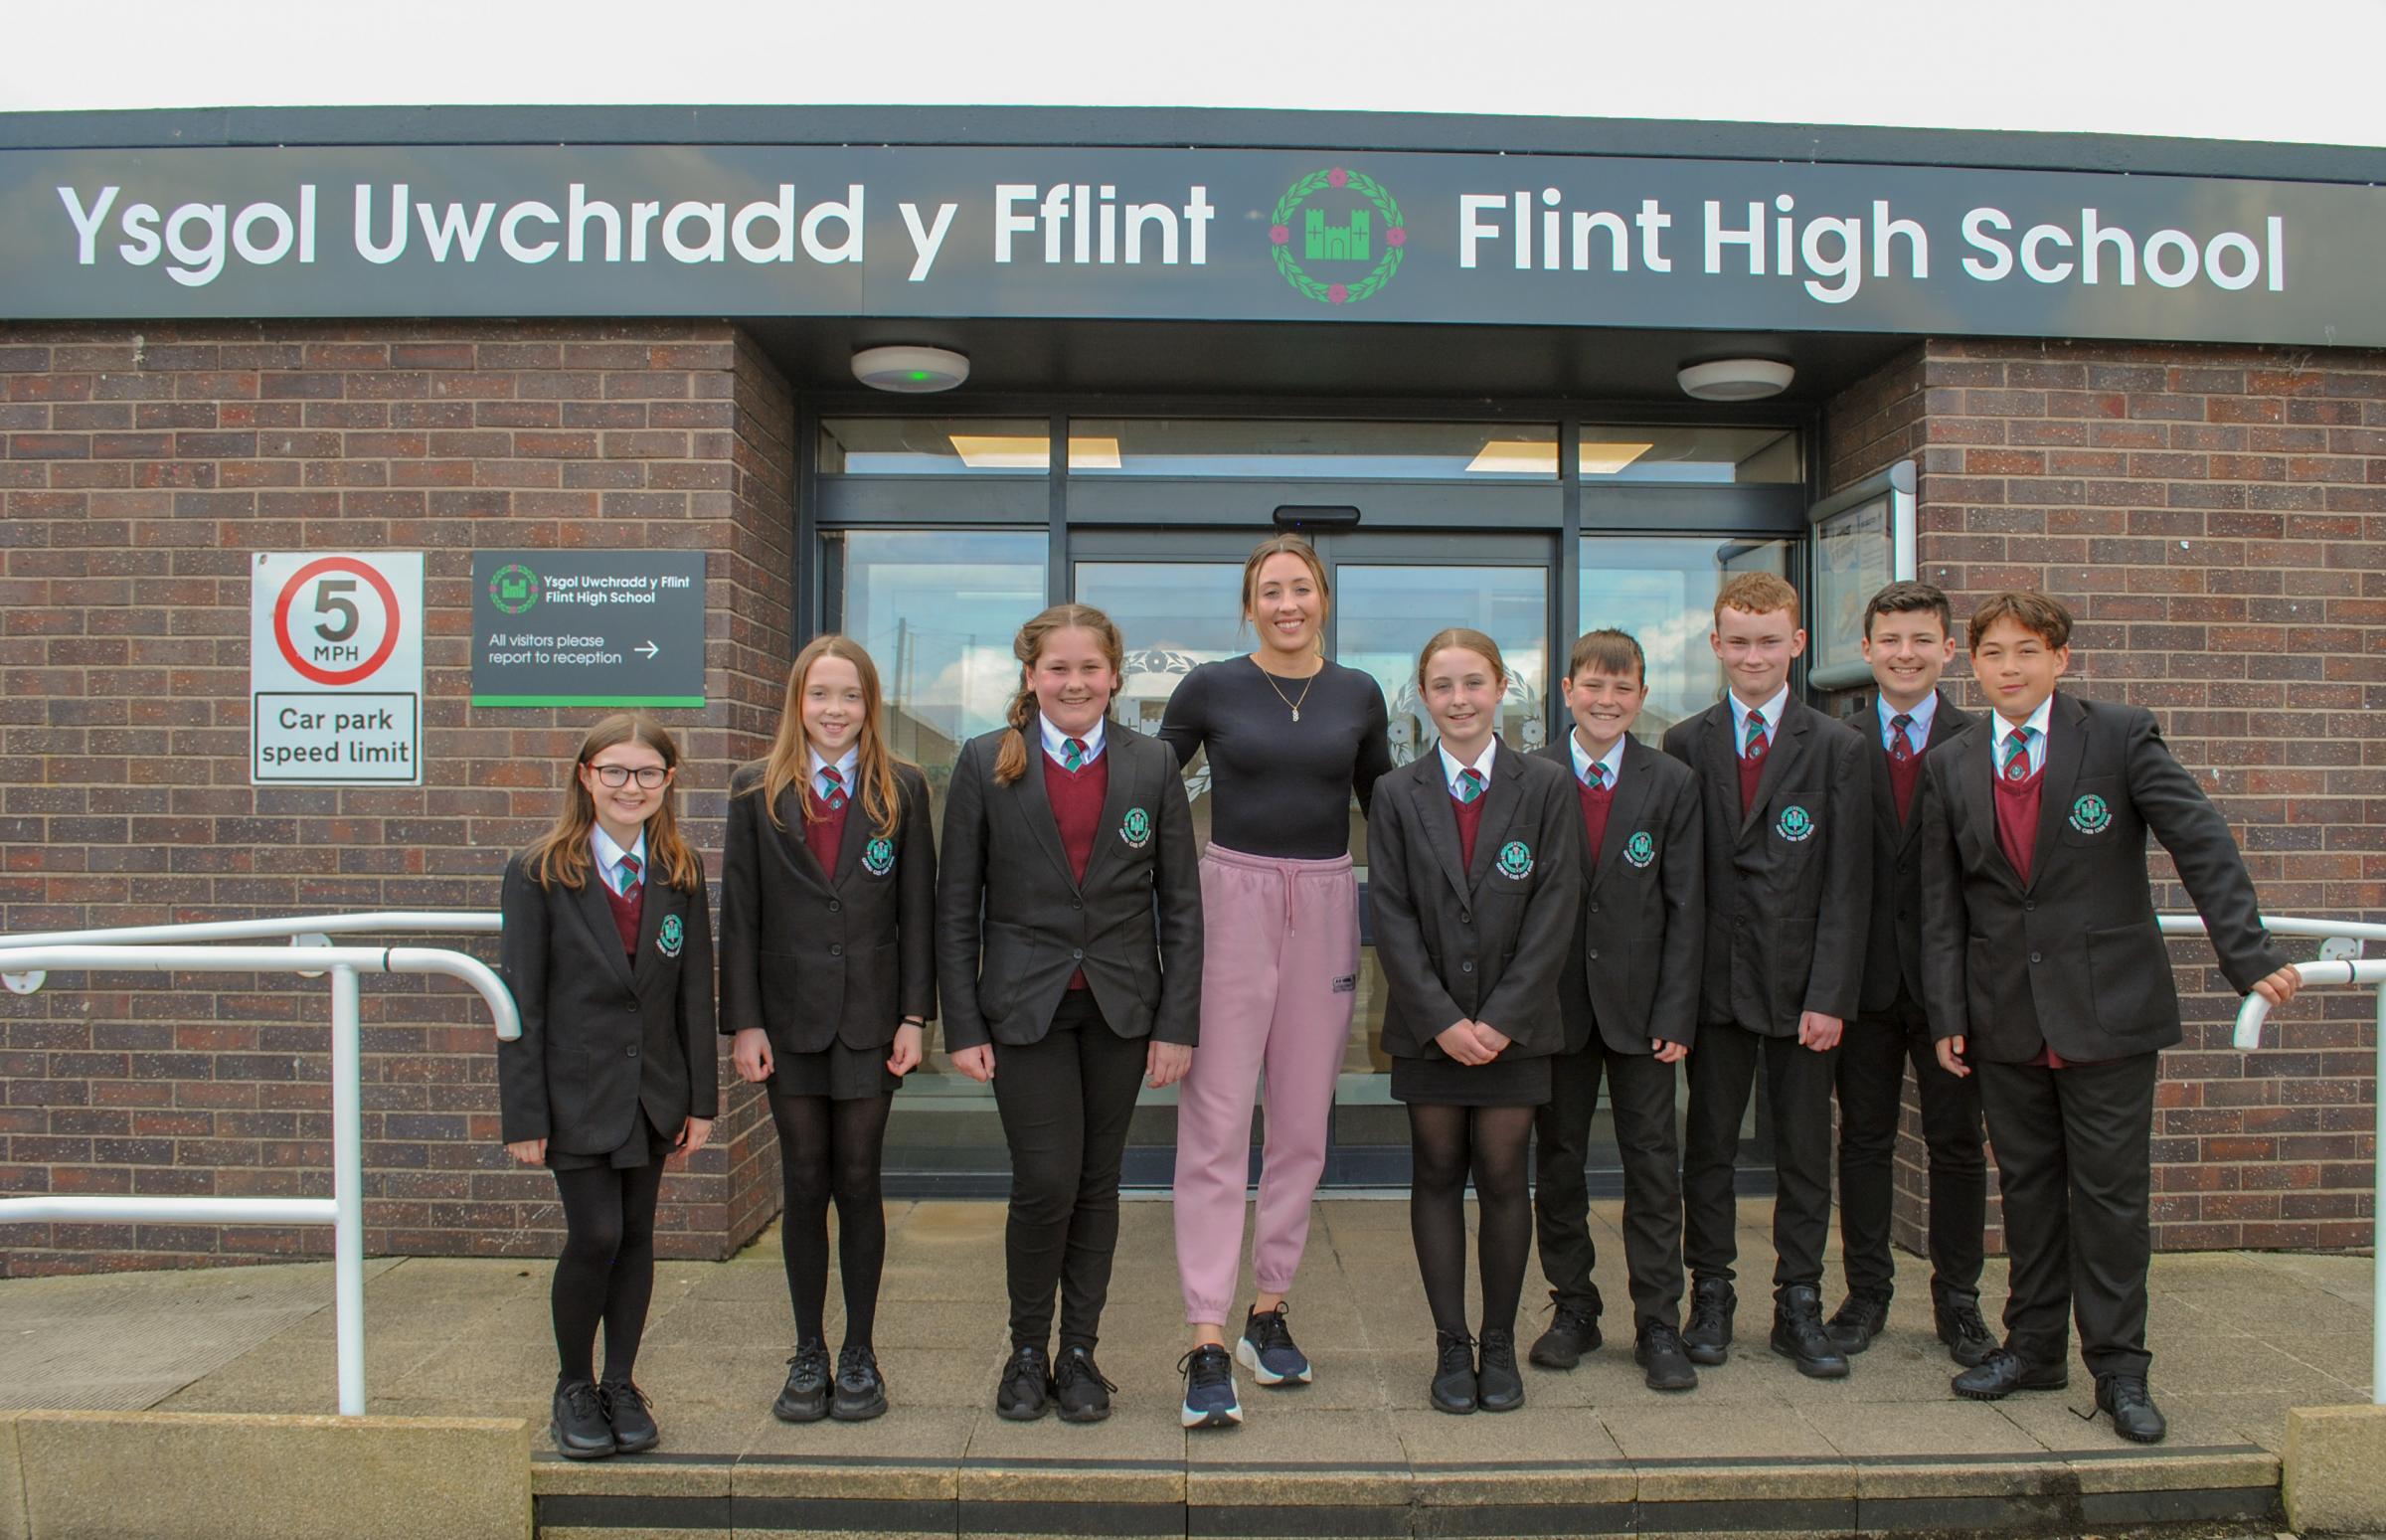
[812,957]
[1634,971]
[1484,942]
[1893,951]
[2072,958]
[1789,885]
[602,1037]
[1013,924]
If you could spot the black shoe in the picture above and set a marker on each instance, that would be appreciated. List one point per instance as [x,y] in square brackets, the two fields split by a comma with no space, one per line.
[580,1429]
[1797,1334]
[2003,1372]
[628,1410]
[1665,1361]
[1268,1352]
[1859,1318]
[1210,1399]
[1083,1395]
[804,1398]
[1968,1338]
[2125,1398]
[1454,1376]
[1708,1337]
[1497,1385]
[1573,1331]
[861,1390]
[1026,1391]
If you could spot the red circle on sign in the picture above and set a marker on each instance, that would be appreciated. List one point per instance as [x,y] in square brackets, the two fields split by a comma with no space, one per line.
[389,632]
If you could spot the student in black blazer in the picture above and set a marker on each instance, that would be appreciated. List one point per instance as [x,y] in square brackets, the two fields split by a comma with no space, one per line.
[1787,811]
[827,979]
[2045,975]
[608,951]
[1629,997]
[1474,858]
[1069,944]
[1909,639]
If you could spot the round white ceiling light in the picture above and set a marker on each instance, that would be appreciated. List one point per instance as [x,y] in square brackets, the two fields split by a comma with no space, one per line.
[1736,379]
[911,370]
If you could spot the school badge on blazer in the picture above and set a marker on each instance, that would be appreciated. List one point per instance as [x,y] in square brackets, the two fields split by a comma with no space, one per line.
[1796,824]
[2090,815]
[1135,828]
[878,857]
[1640,850]
[671,936]
[1516,860]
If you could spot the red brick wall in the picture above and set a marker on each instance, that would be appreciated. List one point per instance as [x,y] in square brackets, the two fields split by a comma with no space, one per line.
[139,467]
[2216,518]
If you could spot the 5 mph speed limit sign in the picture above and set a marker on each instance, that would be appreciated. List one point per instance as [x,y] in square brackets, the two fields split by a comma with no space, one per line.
[335,668]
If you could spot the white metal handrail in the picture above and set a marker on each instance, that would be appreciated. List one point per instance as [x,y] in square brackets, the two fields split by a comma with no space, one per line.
[344,1210]
[303,930]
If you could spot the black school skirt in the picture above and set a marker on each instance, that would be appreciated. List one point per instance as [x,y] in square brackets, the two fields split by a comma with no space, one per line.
[836,1071]
[1440,1080]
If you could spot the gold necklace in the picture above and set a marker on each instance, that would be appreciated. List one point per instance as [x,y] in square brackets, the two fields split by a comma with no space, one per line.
[1280,694]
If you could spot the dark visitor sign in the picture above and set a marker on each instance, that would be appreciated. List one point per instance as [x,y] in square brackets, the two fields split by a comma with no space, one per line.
[1298,235]
[588,628]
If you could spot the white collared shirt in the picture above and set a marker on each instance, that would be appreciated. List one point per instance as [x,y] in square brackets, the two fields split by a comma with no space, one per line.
[845,766]
[1452,769]
[2004,730]
[1612,760]
[1917,734]
[1773,719]
[1092,738]
[609,858]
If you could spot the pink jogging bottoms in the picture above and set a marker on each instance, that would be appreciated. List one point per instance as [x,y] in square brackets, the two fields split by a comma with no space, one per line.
[1278,976]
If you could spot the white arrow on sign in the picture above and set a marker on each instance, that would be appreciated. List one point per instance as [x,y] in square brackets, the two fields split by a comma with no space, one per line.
[650,650]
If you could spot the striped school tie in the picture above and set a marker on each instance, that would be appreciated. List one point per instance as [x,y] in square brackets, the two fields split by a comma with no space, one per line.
[630,870]
[1597,781]
[1755,743]
[1901,747]
[2017,754]
[1072,755]
[1470,784]
[832,788]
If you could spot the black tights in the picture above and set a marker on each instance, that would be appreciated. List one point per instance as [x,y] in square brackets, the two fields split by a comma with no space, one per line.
[1447,1143]
[606,1270]
[831,1150]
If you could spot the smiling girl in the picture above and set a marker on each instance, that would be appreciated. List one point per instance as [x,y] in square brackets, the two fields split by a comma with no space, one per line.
[1474,864]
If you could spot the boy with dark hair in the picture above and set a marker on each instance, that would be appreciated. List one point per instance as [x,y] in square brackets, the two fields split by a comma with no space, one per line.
[2046,975]
[1784,794]
[1909,639]
[1629,997]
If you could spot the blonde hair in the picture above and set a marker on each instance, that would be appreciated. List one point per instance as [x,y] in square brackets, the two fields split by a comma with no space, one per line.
[562,853]
[1470,640]
[1011,763]
[788,764]
[1294,545]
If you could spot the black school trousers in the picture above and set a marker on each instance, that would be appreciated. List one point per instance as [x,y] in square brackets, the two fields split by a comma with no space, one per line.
[1066,1100]
[1640,1096]
[1797,1086]
[1873,1054]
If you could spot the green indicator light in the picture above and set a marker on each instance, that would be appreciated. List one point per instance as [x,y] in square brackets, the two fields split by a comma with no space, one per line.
[922,376]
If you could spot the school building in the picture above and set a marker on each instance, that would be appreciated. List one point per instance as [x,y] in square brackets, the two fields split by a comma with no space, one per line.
[621,379]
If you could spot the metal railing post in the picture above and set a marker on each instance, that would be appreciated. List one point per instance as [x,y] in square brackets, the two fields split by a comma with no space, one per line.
[348,1185]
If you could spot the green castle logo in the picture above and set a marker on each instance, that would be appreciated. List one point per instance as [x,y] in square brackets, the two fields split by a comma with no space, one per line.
[1342,214]
[513,589]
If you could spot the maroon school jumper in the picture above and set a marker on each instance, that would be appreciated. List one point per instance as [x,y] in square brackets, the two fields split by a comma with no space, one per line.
[1470,823]
[1076,796]
[2017,838]
[627,912]
[824,830]
[1904,775]
[1596,807]
[1752,766]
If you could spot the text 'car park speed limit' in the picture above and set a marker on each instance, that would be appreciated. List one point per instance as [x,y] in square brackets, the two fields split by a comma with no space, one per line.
[335,668]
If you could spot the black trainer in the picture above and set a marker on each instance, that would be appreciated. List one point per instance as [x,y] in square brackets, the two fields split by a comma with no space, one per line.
[1573,1331]
[1210,1399]
[804,1398]
[1861,1316]
[2003,1372]
[1453,1375]
[1708,1337]
[630,1413]
[1083,1395]
[580,1429]
[1664,1362]
[1497,1385]
[1268,1352]
[1026,1390]
[861,1392]
[2125,1398]
[1797,1334]
[1968,1338]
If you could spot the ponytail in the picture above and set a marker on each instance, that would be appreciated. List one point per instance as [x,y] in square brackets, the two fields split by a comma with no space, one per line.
[1011,763]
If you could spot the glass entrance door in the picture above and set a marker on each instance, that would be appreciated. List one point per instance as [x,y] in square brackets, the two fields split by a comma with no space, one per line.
[1177,598]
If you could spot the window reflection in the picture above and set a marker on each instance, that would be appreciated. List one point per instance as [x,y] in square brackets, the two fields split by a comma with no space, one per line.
[1662,591]
[1292,450]
[1700,456]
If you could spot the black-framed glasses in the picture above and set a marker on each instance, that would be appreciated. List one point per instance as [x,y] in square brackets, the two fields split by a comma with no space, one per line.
[649,776]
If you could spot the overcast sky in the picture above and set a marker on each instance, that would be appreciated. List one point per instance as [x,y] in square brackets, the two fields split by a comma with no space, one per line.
[2295,70]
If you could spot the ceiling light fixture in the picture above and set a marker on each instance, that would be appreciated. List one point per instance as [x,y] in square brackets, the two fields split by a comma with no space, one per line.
[1736,379]
[910,371]
[1605,459]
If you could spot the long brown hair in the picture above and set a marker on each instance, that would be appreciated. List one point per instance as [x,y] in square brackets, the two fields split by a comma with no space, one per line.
[1289,544]
[1011,763]
[789,759]
[562,853]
